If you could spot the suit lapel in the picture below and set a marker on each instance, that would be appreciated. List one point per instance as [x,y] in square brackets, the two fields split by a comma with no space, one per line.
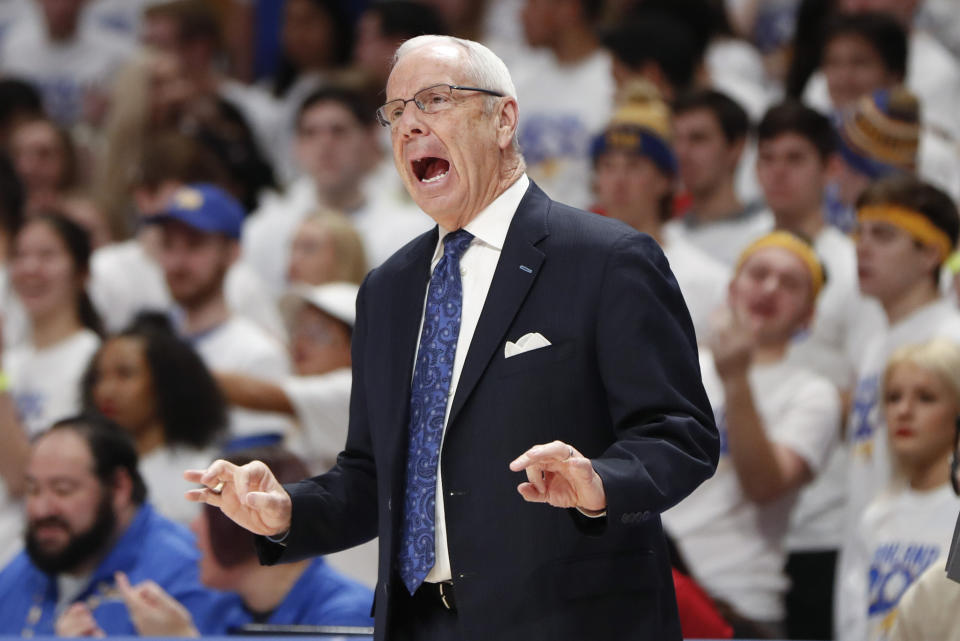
[403,322]
[517,269]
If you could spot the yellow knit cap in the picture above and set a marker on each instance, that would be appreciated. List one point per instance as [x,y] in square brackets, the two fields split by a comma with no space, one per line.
[639,104]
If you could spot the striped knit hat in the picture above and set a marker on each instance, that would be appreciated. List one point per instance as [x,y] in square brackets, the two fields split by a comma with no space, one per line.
[881,134]
[640,125]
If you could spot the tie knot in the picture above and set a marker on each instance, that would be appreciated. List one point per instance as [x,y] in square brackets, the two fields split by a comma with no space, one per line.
[455,243]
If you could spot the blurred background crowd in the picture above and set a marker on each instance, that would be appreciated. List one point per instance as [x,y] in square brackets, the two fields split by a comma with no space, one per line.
[191,192]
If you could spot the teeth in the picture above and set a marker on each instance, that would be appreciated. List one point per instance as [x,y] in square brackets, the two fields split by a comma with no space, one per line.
[435,178]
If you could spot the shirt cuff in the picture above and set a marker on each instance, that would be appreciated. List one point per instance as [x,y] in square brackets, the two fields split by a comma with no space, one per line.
[279,540]
[589,515]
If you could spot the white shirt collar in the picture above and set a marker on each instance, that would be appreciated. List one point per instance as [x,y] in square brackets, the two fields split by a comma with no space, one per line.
[491,224]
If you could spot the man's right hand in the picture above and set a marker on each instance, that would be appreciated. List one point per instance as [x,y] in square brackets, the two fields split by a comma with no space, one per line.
[250,495]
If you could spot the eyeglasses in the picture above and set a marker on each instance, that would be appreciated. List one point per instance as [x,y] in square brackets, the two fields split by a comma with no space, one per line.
[430,101]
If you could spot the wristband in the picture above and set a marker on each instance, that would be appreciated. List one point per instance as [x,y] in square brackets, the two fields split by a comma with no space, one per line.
[4,382]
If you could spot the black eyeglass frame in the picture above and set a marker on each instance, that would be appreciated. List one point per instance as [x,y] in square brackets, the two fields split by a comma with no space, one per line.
[386,123]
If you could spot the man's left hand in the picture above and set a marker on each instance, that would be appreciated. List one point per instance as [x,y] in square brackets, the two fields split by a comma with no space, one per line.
[77,621]
[560,475]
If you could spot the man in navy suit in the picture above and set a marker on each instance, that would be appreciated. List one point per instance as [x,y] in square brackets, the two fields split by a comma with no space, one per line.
[522,352]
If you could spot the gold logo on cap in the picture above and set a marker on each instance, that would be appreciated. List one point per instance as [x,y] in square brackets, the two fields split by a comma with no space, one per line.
[188,198]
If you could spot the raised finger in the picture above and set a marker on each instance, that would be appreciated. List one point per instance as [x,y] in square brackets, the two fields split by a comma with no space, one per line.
[217,471]
[557,450]
[203,495]
[123,585]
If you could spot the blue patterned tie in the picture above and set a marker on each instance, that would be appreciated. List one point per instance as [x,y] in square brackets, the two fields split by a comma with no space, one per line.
[428,406]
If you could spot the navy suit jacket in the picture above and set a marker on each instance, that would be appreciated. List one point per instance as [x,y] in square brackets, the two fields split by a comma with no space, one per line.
[620,382]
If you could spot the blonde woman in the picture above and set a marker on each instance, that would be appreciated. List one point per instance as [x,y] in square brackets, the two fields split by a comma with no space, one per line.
[326,248]
[910,525]
[147,99]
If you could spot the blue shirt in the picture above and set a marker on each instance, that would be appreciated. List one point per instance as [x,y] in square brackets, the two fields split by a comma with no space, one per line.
[152,547]
[321,596]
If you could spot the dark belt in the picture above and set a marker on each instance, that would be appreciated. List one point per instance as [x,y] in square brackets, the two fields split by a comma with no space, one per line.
[438,593]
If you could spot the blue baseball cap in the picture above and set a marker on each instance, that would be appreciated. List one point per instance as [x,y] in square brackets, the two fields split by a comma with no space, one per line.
[204,207]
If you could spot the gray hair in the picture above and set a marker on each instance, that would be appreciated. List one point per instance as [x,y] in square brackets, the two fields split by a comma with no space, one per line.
[483,67]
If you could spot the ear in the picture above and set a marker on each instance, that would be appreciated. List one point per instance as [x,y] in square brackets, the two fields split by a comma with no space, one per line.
[931,258]
[509,118]
[121,490]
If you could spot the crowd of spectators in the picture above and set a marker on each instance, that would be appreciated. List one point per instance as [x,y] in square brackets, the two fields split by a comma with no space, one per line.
[192,192]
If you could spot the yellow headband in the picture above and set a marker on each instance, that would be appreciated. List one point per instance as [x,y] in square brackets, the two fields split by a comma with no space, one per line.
[913,222]
[794,245]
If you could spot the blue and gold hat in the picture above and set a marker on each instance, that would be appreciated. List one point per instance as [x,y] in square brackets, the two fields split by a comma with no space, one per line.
[204,207]
[881,135]
[640,125]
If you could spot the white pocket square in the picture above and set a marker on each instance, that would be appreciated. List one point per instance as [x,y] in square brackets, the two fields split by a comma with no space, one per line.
[525,344]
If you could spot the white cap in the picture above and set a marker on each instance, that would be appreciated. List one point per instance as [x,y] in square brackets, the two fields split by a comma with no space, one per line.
[339,300]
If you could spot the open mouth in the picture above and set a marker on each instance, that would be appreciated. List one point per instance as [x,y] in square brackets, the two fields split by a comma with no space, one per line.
[430,169]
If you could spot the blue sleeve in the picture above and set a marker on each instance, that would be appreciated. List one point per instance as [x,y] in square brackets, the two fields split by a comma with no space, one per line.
[349,604]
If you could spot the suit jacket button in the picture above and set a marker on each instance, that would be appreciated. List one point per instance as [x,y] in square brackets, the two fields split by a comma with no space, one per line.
[389,504]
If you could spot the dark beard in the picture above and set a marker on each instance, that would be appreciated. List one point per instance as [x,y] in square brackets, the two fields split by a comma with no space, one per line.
[81,547]
[203,291]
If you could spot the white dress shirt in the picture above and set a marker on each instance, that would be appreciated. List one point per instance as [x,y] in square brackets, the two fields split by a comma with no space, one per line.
[477,266]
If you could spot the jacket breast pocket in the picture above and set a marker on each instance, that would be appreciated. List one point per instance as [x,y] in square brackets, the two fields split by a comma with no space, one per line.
[540,357]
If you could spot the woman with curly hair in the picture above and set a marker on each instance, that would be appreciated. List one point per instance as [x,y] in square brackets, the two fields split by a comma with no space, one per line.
[154,385]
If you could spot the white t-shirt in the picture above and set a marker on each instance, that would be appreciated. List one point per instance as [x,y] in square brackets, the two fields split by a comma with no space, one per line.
[941,19]
[65,73]
[723,240]
[869,464]
[843,324]
[16,325]
[240,347]
[122,17]
[385,223]
[900,535]
[322,404]
[733,546]
[125,280]
[736,69]
[562,108]
[258,107]
[45,383]
[12,12]
[703,281]
[12,523]
[162,471]
[844,320]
